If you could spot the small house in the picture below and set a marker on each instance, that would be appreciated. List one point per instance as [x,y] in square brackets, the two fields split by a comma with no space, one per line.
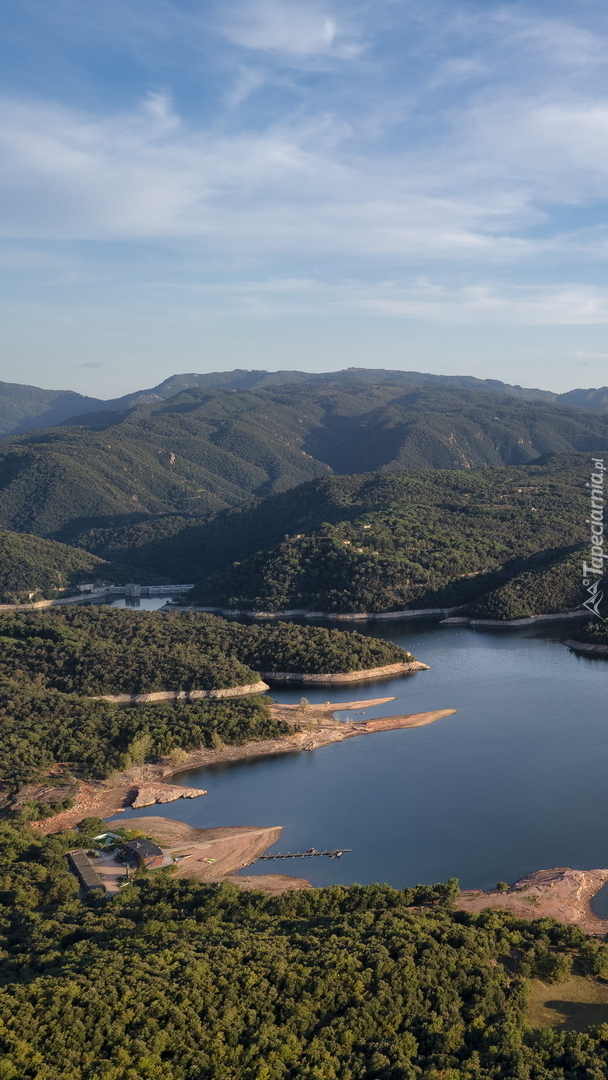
[141,853]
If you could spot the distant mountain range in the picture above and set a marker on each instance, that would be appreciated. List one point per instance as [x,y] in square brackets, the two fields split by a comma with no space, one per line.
[23,408]
[250,483]
[204,450]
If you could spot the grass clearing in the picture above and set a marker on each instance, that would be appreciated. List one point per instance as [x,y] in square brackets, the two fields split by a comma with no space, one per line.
[575,1004]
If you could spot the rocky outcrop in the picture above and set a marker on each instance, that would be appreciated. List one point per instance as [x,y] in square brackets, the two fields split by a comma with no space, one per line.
[149,794]
[560,893]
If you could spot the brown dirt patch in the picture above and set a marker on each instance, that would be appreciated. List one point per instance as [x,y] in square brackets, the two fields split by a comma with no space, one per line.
[561,893]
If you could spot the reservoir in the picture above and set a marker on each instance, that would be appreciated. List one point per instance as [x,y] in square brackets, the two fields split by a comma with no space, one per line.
[514,782]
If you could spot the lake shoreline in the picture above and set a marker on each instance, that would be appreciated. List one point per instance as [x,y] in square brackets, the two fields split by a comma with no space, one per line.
[560,893]
[444,615]
[586,648]
[317,728]
[389,671]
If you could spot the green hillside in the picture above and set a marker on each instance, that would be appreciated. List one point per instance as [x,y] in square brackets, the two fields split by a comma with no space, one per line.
[206,450]
[176,980]
[32,568]
[42,728]
[430,539]
[545,590]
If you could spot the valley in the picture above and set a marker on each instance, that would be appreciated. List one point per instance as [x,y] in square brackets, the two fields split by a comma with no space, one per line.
[355,496]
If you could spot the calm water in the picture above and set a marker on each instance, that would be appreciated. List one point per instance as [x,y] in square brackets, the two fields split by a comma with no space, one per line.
[514,782]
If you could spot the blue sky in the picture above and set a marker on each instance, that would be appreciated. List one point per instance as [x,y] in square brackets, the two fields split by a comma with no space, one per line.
[196,186]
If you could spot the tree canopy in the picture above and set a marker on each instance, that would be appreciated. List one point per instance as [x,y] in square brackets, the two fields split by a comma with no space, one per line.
[174,980]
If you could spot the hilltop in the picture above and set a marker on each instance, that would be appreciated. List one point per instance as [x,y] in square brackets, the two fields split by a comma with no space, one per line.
[23,407]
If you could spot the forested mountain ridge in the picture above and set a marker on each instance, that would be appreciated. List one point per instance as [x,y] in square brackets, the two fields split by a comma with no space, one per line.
[431,539]
[205,450]
[23,407]
[195,547]
[102,650]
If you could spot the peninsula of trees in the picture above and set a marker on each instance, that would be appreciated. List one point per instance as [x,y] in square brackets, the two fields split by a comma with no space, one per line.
[53,663]
[102,650]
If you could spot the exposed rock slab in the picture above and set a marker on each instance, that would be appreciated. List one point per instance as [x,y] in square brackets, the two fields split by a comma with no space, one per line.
[149,794]
[586,648]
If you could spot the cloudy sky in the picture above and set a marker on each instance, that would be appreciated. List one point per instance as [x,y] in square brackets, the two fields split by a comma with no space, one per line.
[196,185]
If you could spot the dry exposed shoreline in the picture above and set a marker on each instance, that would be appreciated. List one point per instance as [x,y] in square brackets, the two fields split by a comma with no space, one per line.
[560,893]
[445,616]
[216,854]
[389,671]
[318,728]
[586,648]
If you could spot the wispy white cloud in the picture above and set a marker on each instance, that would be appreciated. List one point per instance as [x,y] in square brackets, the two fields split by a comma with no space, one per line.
[496,303]
[300,28]
[290,189]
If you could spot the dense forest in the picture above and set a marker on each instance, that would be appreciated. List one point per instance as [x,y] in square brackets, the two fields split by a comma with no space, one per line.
[43,728]
[441,539]
[207,449]
[103,650]
[35,569]
[178,981]
[544,590]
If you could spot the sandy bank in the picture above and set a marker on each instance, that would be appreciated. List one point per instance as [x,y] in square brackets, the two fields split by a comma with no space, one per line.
[561,893]
[586,648]
[389,671]
[183,695]
[272,884]
[212,854]
[531,620]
